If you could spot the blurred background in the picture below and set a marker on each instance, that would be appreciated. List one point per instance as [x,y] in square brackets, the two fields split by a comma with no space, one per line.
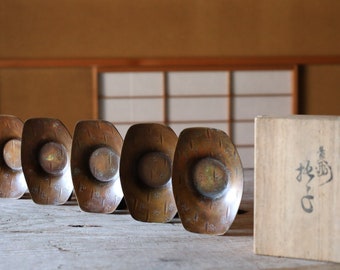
[182,63]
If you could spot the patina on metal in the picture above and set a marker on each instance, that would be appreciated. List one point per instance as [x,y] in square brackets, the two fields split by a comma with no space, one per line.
[207,180]
[145,171]
[210,177]
[95,160]
[12,180]
[12,154]
[104,163]
[46,151]
[154,169]
[53,158]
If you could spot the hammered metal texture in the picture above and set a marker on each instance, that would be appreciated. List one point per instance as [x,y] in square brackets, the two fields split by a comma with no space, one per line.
[97,190]
[148,200]
[207,208]
[44,187]
[12,180]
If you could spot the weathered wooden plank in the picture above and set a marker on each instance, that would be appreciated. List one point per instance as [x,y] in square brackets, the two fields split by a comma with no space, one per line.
[63,237]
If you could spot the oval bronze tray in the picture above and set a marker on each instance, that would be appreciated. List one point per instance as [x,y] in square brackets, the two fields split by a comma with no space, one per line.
[207,180]
[45,155]
[145,171]
[12,180]
[95,159]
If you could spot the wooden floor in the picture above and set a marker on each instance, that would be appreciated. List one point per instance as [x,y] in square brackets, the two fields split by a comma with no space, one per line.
[63,237]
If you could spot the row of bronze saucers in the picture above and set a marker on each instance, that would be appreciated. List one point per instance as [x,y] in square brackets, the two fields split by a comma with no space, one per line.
[198,174]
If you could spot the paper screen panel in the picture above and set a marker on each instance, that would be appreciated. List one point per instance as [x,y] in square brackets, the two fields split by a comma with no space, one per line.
[243,133]
[193,108]
[198,83]
[250,107]
[262,82]
[113,84]
[132,110]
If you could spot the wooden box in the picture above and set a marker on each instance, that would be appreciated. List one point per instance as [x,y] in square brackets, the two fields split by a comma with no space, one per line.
[297,187]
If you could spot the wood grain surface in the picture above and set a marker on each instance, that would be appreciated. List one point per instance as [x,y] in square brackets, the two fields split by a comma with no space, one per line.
[63,237]
[297,187]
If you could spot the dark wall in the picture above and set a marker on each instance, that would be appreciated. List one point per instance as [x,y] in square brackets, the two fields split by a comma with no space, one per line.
[152,28]
[41,29]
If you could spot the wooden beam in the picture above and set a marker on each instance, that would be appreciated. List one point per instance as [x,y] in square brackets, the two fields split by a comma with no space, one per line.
[173,63]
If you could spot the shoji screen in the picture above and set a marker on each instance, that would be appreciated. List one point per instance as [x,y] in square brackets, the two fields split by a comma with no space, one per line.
[126,98]
[198,98]
[226,100]
[257,93]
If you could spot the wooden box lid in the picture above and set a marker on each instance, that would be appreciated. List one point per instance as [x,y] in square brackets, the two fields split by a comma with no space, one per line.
[297,187]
